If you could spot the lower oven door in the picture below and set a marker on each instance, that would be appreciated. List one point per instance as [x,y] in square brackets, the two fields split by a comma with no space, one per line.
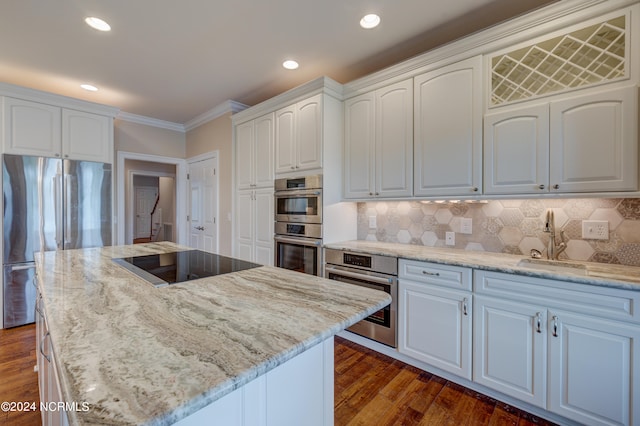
[381,325]
[299,254]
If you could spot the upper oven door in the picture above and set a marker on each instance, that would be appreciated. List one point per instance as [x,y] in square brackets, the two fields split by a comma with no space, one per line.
[300,206]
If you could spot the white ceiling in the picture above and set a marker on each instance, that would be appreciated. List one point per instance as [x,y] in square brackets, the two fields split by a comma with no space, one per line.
[173,60]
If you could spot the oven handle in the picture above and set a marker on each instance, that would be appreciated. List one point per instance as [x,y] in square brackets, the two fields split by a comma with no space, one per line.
[363,277]
[296,192]
[303,241]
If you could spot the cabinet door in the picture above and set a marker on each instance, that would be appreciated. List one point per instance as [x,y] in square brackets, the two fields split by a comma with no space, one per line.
[285,140]
[244,224]
[263,152]
[31,128]
[264,226]
[87,136]
[594,142]
[244,155]
[516,151]
[309,133]
[509,348]
[394,140]
[435,326]
[359,145]
[448,130]
[593,369]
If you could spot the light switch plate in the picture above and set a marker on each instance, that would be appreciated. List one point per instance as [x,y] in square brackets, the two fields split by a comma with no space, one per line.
[466,225]
[372,222]
[595,229]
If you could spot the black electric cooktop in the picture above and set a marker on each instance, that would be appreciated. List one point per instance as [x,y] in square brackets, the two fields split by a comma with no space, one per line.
[180,266]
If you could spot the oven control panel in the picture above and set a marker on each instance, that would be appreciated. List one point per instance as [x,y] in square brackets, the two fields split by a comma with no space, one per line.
[357,260]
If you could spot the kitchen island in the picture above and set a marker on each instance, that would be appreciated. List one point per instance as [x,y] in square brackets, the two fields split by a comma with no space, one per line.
[127,352]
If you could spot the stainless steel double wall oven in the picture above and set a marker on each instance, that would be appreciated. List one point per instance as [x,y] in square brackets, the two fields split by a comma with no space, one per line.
[298,226]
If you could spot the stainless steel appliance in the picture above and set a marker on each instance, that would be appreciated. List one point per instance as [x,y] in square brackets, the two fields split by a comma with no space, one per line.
[373,271]
[298,226]
[177,267]
[299,200]
[49,204]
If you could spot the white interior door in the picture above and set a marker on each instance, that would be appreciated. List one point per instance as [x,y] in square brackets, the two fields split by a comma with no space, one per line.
[145,200]
[203,223]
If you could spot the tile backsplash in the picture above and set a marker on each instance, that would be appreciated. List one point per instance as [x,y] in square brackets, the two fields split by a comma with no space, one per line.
[509,226]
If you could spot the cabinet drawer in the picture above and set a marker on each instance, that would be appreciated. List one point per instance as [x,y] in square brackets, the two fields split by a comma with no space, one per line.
[594,300]
[455,277]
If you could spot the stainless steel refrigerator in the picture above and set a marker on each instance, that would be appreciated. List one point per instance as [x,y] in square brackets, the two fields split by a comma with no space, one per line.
[48,204]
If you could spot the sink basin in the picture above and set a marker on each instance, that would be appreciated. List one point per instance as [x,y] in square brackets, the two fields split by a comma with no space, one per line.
[554,266]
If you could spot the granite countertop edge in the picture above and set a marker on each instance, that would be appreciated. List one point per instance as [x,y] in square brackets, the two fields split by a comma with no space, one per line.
[598,274]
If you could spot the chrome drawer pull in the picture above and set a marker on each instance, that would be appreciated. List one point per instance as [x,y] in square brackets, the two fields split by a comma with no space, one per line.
[538,322]
[433,274]
[464,307]
[555,326]
[47,357]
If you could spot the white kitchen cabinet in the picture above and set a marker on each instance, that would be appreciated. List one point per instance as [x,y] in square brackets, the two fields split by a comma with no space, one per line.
[87,136]
[593,366]
[448,130]
[594,142]
[255,225]
[516,151]
[586,143]
[570,348]
[435,315]
[33,128]
[379,143]
[298,136]
[48,380]
[254,153]
[510,348]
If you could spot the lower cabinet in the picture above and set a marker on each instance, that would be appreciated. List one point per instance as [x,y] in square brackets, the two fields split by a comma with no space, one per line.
[569,348]
[298,392]
[435,315]
[254,226]
[48,381]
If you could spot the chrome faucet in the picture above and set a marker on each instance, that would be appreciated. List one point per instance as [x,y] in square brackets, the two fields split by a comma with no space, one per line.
[553,251]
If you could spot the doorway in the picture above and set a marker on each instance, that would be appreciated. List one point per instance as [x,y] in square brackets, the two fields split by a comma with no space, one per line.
[165,173]
[203,202]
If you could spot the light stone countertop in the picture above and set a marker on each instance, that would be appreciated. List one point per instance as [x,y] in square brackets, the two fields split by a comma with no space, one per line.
[144,355]
[601,274]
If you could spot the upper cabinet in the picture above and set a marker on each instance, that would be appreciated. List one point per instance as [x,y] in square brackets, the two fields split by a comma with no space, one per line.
[87,136]
[33,128]
[586,143]
[378,150]
[254,153]
[448,130]
[298,136]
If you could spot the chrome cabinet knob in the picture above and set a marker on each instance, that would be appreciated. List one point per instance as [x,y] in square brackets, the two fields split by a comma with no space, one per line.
[556,186]
[475,189]
[541,186]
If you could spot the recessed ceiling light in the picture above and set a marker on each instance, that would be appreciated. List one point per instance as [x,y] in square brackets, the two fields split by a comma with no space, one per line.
[290,64]
[89,87]
[97,23]
[370,21]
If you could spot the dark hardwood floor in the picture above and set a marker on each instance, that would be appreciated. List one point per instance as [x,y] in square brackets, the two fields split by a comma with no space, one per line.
[370,389]
[374,389]
[18,381]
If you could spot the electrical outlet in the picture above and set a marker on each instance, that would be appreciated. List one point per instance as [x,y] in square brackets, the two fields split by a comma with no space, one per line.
[372,222]
[595,229]
[450,238]
[466,225]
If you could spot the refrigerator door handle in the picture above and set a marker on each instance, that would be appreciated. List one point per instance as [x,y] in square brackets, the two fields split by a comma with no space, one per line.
[58,206]
[21,267]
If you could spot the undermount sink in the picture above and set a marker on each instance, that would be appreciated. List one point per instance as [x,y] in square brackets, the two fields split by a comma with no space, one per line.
[554,266]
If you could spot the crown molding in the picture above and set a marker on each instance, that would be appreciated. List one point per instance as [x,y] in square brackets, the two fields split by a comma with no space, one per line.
[513,31]
[228,106]
[320,85]
[148,121]
[34,95]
